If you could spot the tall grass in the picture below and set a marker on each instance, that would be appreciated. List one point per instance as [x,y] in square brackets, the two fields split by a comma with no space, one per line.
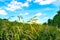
[20,31]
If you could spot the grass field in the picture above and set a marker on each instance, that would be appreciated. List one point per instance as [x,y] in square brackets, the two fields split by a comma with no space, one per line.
[22,31]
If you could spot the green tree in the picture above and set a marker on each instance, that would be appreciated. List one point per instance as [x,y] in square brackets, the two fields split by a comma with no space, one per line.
[56,19]
[49,21]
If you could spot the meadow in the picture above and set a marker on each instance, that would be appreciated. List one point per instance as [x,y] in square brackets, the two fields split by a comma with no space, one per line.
[29,19]
[24,31]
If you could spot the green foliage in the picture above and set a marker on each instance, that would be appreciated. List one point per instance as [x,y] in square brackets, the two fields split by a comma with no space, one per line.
[55,21]
[21,31]
[50,22]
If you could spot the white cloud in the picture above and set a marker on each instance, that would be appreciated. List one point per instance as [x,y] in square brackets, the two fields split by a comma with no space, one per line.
[44,2]
[57,3]
[26,13]
[3,12]
[26,4]
[16,5]
[38,14]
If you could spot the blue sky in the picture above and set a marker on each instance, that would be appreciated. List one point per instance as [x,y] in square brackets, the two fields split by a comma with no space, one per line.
[43,9]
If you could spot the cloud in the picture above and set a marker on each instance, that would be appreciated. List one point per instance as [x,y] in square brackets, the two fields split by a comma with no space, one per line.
[57,3]
[26,13]
[44,2]
[26,4]
[38,14]
[16,5]
[3,12]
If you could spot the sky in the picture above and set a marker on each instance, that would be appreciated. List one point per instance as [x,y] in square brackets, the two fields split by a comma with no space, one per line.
[43,9]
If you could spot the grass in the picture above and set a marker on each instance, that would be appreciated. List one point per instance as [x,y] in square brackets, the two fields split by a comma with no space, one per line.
[20,31]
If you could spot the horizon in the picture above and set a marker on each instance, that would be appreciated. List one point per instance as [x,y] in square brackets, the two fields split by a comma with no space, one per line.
[43,9]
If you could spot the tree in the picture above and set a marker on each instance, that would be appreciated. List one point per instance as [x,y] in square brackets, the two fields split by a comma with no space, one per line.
[49,22]
[56,19]
[45,23]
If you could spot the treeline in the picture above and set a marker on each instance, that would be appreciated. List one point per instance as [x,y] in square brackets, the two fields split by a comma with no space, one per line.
[55,21]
